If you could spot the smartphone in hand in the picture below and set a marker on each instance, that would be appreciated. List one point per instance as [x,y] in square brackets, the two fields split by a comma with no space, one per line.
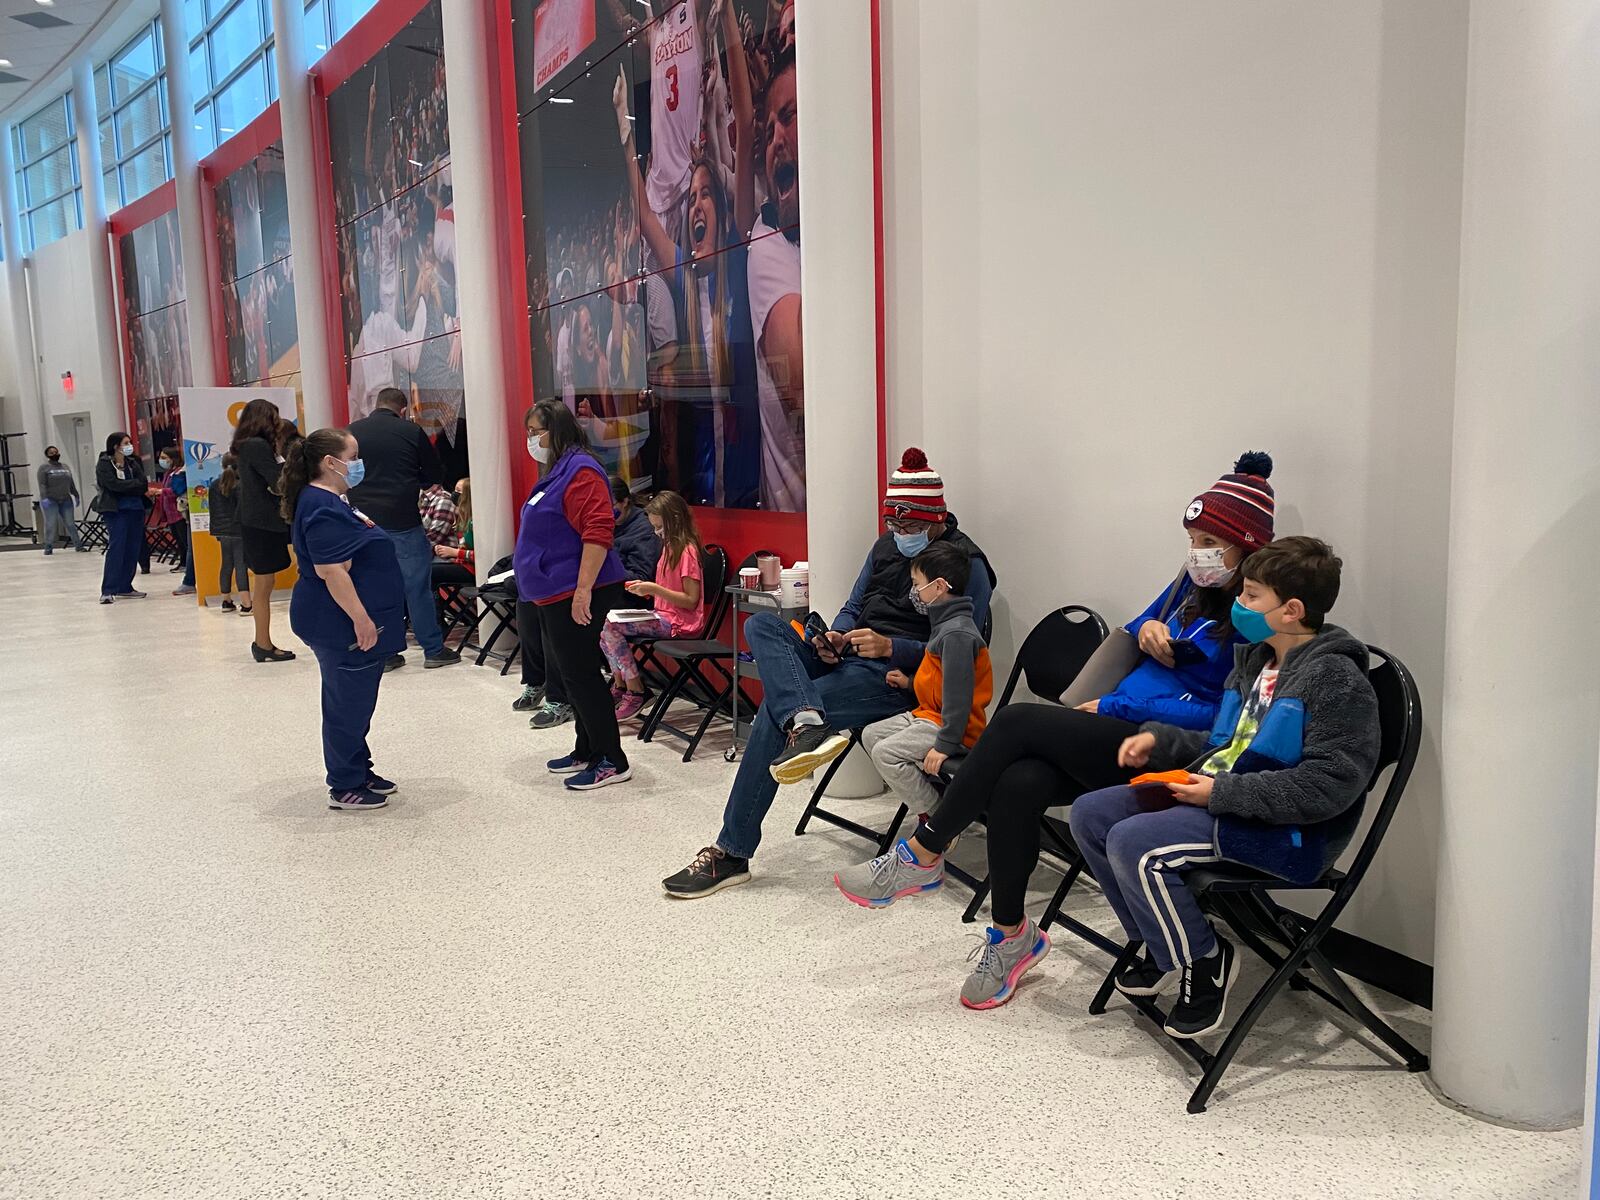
[357,645]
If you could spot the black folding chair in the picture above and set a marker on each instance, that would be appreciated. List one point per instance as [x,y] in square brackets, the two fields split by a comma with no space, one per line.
[93,531]
[500,604]
[1243,898]
[882,837]
[686,662]
[1050,658]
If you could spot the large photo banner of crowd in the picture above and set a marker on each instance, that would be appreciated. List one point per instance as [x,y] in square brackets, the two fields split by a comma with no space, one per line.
[155,329]
[661,197]
[388,129]
[252,214]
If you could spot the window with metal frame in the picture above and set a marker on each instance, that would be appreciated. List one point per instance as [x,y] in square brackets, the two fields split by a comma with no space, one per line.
[130,91]
[231,67]
[49,192]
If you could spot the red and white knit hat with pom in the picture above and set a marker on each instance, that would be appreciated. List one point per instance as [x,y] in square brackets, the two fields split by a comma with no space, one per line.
[916,493]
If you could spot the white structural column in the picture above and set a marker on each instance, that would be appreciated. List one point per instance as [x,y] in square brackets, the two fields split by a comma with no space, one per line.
[1521,697]
[203,367]
[485,282]
[300,169]
[838,288]
[35,415]
[108,410]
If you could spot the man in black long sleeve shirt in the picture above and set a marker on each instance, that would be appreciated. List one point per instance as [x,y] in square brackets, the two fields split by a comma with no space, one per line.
[400,461]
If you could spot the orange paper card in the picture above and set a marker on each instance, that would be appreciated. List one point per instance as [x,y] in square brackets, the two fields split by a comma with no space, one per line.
[1160,777]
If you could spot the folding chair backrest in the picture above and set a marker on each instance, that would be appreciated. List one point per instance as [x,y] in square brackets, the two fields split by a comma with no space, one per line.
[1400,723]
[714,586]
[1055,650]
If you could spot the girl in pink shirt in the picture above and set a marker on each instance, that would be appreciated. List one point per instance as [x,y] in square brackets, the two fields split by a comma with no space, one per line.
[679,595]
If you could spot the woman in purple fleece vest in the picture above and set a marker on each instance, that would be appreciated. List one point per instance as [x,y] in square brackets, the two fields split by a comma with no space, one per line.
[567,567]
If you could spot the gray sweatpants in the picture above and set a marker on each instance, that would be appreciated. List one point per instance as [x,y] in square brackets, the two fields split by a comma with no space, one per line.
[897,746]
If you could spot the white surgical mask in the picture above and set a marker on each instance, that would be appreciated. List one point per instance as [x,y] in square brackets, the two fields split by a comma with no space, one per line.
[1206,568]
[539,452]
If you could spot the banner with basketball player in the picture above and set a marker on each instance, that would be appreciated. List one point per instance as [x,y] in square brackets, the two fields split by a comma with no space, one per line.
[256,263]
[661,206]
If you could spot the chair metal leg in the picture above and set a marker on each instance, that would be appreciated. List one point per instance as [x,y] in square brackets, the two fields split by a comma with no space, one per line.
[894,828]
[979,895]
[659,712]
[1414,1059]
[1242,1026]
[1109,984]
[1052,911]
[822,786]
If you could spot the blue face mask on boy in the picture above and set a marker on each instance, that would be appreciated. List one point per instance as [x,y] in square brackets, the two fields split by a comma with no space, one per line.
[1251,624]
[911,544]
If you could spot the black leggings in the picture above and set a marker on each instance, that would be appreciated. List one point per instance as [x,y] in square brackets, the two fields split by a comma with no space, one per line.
[535,672]
[1030,758]
[575,659]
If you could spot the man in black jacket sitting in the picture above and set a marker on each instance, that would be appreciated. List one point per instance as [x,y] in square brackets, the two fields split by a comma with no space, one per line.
[400,461]
[815,693]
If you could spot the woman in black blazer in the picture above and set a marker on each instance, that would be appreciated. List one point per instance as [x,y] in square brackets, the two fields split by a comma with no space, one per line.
[262,529]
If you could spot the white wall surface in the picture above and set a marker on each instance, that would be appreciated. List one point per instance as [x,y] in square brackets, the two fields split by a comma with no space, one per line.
[69,331]
[11,410]
[1126,243]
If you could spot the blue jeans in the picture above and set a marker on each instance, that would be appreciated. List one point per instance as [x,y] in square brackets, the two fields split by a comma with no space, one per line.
[1138,849]
[59,518]
[415,553]
[125,534]
[350,680]
[848,696]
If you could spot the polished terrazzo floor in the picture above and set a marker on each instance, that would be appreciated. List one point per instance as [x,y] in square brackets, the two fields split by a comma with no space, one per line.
[212,986]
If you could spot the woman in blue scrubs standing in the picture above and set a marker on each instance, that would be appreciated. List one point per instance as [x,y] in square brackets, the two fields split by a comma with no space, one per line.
[348,605]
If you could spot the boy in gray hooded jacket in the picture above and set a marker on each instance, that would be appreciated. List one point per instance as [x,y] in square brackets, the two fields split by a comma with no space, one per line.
[1277,785]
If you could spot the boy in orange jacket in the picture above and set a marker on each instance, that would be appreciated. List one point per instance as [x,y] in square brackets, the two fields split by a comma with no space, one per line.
[953,685]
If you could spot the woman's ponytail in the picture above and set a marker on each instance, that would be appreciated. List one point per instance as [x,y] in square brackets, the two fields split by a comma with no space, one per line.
[301,465]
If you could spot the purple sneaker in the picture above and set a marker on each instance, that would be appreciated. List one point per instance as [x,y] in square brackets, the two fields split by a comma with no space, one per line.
[355,800]
[601,774]
[629,704]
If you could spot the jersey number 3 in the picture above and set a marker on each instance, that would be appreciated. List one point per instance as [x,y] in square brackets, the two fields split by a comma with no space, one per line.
[672,95]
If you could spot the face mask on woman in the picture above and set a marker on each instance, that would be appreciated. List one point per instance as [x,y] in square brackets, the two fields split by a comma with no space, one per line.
[127,449]
[354,472]
[1206,568]
[539,452]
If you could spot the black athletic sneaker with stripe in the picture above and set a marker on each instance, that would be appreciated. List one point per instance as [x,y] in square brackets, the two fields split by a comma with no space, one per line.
[712,870]
[1202,1004]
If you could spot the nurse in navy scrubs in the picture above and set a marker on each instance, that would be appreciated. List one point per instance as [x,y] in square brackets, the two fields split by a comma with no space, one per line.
[348,606]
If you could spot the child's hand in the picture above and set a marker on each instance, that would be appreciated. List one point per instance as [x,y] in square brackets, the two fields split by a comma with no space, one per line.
[932,763]
[1196,792]
[1135,751]
[640,587]
[898,679]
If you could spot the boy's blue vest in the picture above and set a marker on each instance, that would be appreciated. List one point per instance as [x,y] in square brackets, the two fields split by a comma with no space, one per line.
[548,547]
